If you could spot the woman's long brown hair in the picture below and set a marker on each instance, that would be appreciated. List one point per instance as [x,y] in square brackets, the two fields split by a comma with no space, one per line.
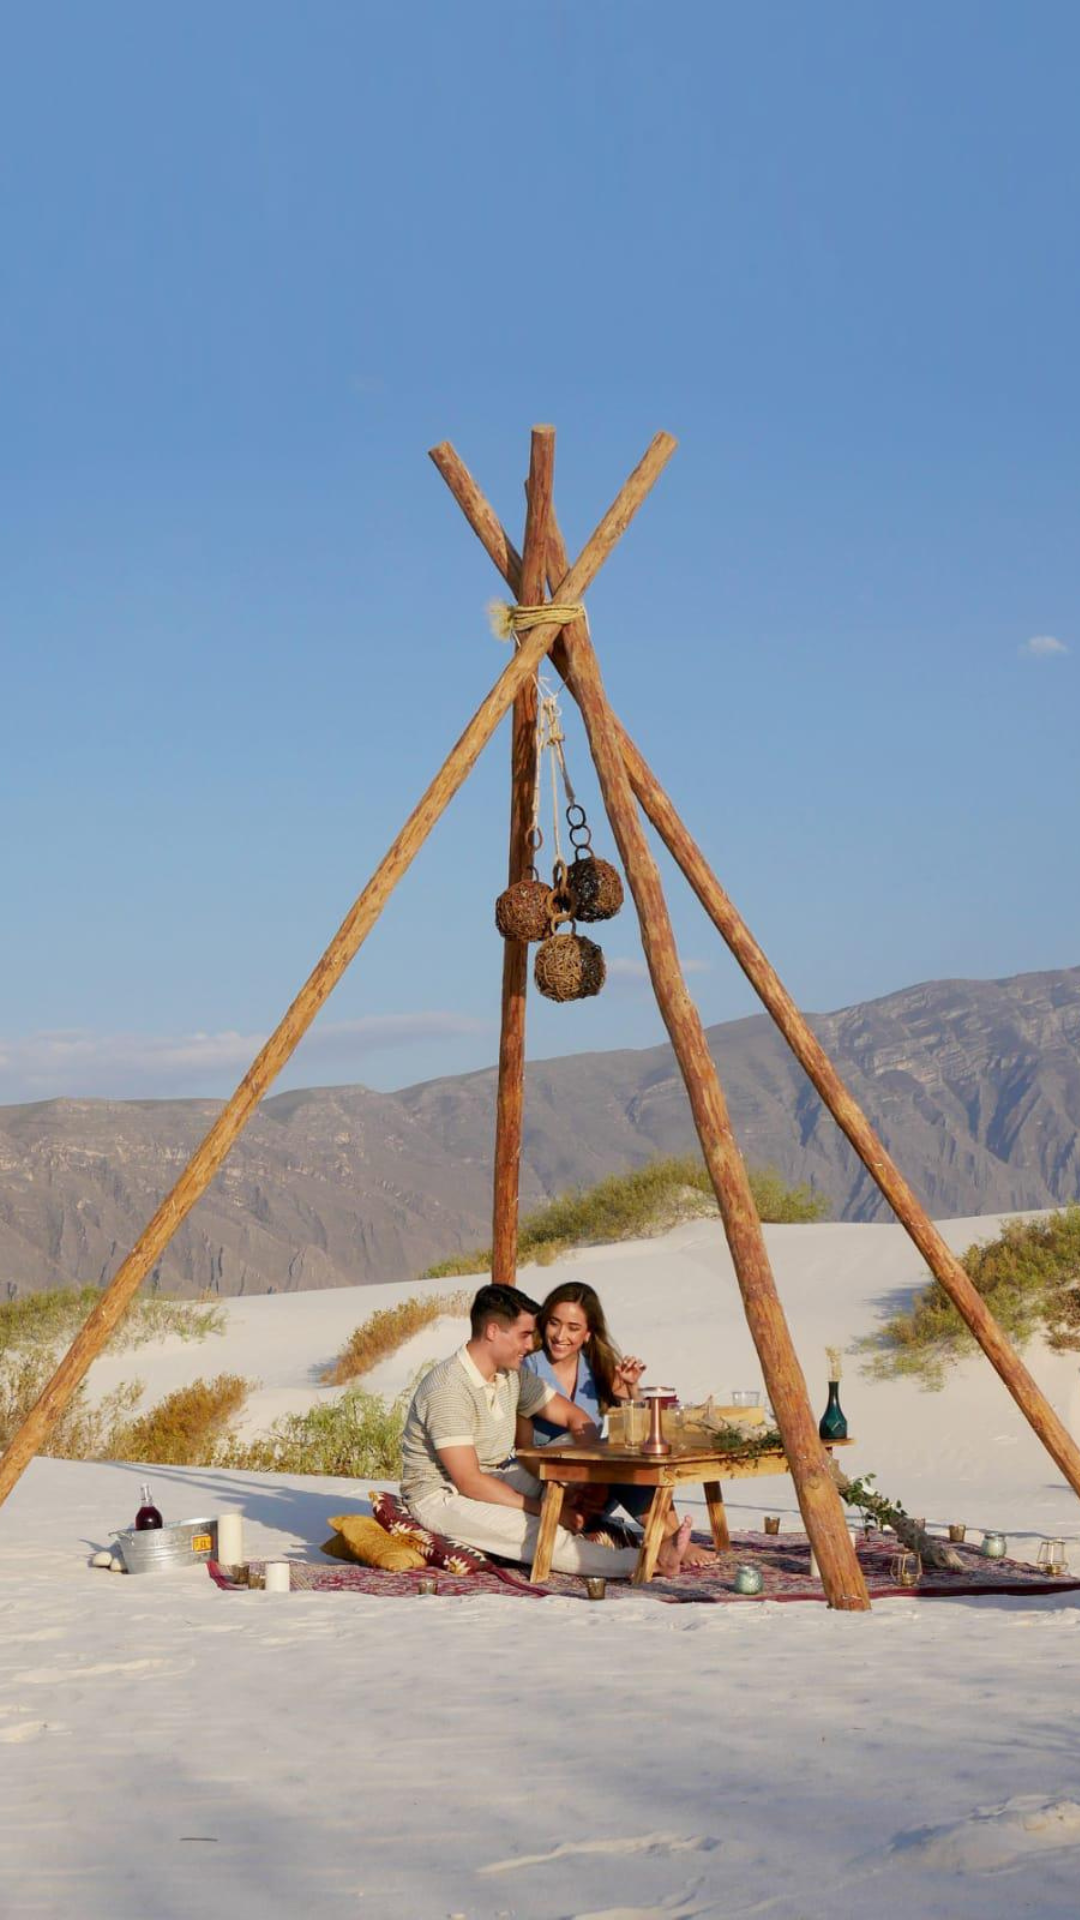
[599,1349]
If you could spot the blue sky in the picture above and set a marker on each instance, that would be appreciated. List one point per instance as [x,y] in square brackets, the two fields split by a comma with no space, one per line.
[257,259]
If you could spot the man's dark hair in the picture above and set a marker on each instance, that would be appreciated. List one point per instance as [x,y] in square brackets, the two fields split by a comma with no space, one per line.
[504,1304]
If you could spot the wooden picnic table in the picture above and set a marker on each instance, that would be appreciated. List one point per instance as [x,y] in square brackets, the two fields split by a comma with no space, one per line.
[600,1463]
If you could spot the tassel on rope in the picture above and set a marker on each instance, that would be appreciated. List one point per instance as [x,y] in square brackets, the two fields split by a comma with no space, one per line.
[507,619]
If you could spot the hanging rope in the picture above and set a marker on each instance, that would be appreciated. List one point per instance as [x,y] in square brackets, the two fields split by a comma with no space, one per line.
[508,622]
[549,740]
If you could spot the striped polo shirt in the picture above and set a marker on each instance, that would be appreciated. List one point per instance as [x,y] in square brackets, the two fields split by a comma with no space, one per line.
[454,1406]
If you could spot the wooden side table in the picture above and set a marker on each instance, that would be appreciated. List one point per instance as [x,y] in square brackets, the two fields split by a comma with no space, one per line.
[601,1464]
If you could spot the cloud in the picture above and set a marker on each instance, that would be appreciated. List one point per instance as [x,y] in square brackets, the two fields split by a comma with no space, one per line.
[623,968]
[76,1063]
[1042,645]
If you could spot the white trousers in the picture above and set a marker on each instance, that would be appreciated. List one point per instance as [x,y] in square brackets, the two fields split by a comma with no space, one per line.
[511,1532]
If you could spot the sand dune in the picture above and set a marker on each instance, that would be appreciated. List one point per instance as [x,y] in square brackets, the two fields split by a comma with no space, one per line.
[181,1751]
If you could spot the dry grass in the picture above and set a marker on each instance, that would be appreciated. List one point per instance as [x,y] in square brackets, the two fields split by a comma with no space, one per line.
[186,1428]
[82,1432]
[358,1437]
[53,1317]
[635,1206]
[387,1330]
[1030,1279]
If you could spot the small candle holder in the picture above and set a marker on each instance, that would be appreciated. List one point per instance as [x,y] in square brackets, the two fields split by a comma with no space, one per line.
[993,1546]
[772,1523]
[957,1531]
[748,1579]
[745,1397]
[256,1579]
[427,1583]
[906,1569]
[595,1586]
[654,1446]
[1052,1557]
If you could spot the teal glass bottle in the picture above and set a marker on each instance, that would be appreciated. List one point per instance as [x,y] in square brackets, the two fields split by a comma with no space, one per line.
[833,1424]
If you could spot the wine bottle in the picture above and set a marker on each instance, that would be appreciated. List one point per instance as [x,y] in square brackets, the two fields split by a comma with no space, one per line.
[148,1515]
[833,1424]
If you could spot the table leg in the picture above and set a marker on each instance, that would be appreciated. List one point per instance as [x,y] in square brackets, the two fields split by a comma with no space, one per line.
[549,1524]
[714,1500]
[654,1534]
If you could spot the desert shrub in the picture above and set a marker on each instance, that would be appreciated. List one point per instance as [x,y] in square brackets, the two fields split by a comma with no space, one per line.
[633,1206]
[1029,1277]
[388,1329]
[83,1432]
[185,1428]
[358,1436]
[781,1205]
[54,1316]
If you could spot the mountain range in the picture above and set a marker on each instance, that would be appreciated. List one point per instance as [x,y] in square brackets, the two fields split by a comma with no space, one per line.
[974,1086]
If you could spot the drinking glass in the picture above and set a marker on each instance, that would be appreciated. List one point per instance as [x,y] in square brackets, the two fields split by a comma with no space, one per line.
[637,1422]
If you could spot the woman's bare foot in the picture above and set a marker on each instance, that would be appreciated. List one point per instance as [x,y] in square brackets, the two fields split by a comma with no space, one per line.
[694,1556]
[672,1553]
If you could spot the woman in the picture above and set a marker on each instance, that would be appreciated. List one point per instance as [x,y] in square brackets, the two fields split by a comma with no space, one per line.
[578,1357]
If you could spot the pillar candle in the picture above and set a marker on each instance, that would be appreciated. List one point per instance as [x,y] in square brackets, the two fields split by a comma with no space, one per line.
[815,1570]
[277,1576]
[230,1539]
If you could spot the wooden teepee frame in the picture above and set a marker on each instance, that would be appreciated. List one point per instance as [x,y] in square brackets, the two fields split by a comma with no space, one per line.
[624,779]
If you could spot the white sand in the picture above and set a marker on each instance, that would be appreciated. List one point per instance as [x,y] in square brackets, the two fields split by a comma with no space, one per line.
[187,1752]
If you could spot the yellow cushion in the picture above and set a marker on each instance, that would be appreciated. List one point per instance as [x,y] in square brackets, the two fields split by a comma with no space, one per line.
[356,1537]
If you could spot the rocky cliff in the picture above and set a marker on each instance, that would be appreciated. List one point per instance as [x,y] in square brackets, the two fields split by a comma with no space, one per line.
[974,1086]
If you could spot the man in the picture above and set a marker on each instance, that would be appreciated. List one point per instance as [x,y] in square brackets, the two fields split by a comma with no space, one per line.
[457,1474]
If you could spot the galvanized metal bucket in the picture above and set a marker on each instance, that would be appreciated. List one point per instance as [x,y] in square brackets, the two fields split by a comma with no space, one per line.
[159,1549]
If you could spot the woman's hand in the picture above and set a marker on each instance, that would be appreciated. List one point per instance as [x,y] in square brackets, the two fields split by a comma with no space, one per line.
[626,1376]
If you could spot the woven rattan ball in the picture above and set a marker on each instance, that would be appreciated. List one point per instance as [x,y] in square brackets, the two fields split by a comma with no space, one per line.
[595,888]
[523,912]
[569,967]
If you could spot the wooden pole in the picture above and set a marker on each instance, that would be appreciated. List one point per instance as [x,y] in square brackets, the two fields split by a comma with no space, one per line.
[818,1499]
[796,1030]
[849,1116]
[231,1121]
[354,929]
[509,1110]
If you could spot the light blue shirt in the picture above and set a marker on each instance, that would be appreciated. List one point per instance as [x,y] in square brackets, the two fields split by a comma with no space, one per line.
[585,1394]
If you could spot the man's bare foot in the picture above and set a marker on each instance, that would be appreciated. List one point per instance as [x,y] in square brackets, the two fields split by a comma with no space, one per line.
[672,1553]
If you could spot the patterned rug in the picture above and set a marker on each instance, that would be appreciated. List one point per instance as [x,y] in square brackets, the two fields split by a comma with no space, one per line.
[783,1560]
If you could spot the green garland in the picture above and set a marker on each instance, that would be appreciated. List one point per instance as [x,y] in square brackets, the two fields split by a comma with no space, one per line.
[859,1493]
[740,1445]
